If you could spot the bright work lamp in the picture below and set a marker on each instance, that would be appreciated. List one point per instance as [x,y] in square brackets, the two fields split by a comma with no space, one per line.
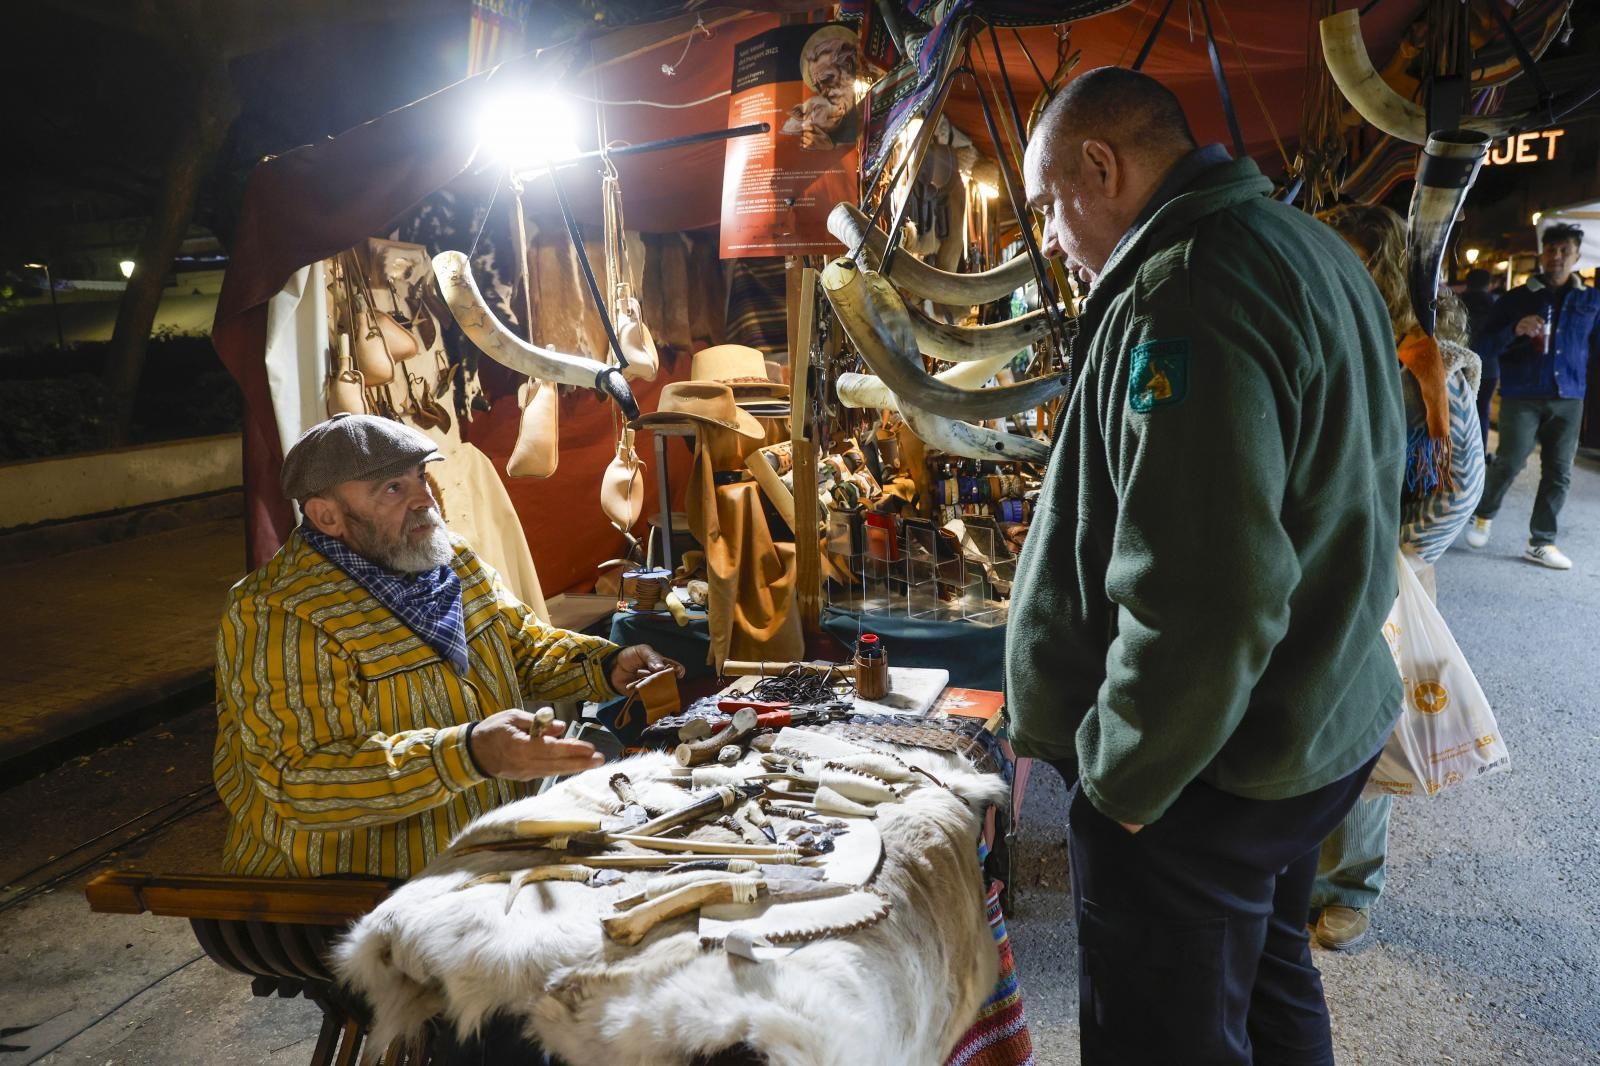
[527,131]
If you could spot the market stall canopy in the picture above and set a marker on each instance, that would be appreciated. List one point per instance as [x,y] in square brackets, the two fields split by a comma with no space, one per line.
[312,202]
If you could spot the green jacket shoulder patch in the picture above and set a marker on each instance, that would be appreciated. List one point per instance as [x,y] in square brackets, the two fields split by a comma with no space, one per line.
[1158,374]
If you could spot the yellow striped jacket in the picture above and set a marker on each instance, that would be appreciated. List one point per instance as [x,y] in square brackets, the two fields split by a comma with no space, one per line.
[341,735]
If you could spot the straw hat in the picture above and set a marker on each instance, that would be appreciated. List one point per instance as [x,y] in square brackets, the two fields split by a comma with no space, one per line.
[710,402]
[739,366]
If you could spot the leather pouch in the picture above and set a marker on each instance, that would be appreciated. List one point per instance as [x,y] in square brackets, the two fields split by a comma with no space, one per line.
[537,450]
[658,694]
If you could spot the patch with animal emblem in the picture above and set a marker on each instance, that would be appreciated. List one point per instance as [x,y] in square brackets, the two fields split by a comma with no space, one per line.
[1159,375]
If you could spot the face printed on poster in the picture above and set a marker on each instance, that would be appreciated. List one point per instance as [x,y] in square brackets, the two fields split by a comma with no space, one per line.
[778,187]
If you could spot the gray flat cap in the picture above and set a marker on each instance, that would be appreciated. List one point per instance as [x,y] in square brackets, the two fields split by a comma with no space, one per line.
[352,448]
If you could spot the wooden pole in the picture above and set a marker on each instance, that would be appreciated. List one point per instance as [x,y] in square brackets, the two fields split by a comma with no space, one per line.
[807,548]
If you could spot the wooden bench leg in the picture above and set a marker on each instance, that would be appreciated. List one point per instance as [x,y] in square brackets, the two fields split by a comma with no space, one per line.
[327,1041]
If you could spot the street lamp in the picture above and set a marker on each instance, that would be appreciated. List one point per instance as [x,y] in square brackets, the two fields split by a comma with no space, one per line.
[55,308]
[1472,256]
[126,266]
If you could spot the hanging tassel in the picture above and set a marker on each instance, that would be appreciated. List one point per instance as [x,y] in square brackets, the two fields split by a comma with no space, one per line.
[1427,464]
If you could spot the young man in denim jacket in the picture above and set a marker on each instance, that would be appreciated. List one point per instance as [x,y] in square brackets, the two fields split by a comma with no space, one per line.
[1545,332]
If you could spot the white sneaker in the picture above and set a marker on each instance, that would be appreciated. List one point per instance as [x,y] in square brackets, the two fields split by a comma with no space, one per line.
[1478,532]
[1548,555]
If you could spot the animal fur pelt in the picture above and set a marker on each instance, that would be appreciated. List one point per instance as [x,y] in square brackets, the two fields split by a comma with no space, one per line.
[901,991]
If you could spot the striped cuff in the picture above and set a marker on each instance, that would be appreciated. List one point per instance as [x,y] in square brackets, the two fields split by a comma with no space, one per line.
[453,759]
[594,667]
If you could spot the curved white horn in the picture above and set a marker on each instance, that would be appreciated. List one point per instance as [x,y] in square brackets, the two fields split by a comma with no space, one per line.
[492,337]
[965,344]
[876,320]
[1346,54]
[848,224]
[950,435]
[868,390]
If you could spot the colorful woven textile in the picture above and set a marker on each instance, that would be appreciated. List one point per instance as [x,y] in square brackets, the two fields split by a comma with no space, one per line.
[1000,1036]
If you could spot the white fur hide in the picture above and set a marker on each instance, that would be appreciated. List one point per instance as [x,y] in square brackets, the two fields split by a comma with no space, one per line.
[900,992]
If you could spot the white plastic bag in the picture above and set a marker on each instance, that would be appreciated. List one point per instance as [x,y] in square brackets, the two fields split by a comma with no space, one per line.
[1446,734]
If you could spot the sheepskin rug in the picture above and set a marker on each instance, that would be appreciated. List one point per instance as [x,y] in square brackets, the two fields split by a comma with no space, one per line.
[899,993]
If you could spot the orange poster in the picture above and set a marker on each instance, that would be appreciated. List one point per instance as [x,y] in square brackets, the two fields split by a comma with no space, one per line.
[778,187]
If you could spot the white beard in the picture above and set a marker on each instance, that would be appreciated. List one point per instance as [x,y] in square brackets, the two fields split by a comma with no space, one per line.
[401,554]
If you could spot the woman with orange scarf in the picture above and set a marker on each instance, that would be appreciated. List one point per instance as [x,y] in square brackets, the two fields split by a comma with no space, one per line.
[1444,478]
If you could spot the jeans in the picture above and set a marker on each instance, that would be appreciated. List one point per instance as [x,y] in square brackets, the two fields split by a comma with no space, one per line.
[1553,425]
[1350,865]
[1485,399]
[1192,944]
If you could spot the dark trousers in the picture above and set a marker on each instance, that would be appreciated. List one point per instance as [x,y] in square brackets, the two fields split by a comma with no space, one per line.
[1552,424]
[1192,944]
[1486,388]
[498,1042]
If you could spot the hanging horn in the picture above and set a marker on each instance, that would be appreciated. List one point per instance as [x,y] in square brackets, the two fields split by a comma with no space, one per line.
[1346,54]
[868,390]
[876,320]
[949,435]
[1445,174]
[492,337]
[849,225]
[966,344]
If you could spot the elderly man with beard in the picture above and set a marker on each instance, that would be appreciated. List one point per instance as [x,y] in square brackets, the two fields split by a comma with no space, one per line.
[373,678]
[1195,635]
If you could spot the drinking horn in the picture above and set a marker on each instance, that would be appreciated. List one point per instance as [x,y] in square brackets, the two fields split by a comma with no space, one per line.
[966,344]
[1346,55]
[849,225]
[876,320]
[948,435]
[472,314]
[1449,165]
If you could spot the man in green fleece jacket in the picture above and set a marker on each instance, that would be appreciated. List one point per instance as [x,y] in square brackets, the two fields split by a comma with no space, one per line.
[1195,630]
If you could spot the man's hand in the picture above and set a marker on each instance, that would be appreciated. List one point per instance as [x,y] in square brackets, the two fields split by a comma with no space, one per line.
[637,662]
[508,745]
[1530,326]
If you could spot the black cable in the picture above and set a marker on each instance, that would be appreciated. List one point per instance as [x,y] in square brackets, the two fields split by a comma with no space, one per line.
[1044,82]
[73,1036]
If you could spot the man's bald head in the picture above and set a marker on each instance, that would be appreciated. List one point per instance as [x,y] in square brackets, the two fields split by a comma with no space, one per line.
[1128,110]
[1099,151]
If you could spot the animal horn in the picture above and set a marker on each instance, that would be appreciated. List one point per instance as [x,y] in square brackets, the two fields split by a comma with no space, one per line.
[950,435]
[966,344]
[1445,174]
[849,225]
[492,337]
[877,322]
[1346,54]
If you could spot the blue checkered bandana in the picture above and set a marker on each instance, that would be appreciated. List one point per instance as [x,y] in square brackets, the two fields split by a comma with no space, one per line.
[429,602]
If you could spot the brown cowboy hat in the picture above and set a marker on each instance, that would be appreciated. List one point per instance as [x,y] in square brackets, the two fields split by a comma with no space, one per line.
[739,366]
[710,402]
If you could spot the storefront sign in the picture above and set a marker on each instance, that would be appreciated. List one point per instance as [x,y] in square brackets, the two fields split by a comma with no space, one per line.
[778,188]
[1536,147]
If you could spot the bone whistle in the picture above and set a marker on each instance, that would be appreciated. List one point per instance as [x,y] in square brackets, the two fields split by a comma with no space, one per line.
[703,751]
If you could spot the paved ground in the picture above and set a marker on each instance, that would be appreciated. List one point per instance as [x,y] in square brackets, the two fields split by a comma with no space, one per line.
[1486,949]
[152,622]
